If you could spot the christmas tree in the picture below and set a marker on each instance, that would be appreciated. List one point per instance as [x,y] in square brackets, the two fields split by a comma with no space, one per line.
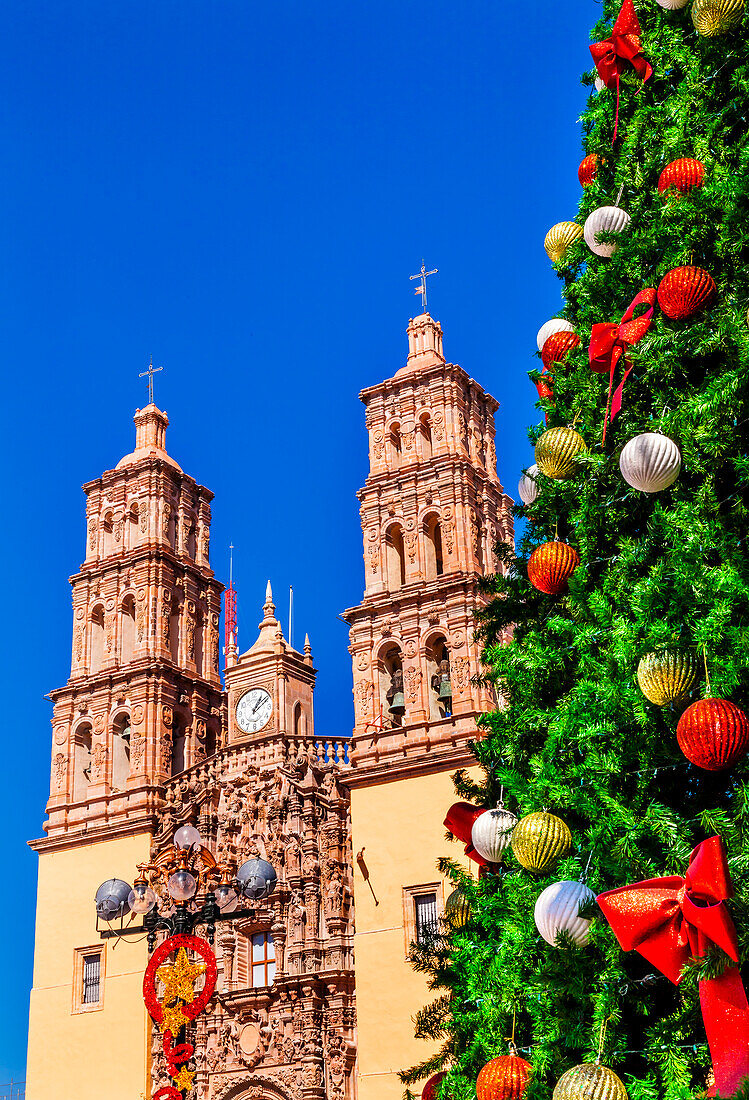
[628,598]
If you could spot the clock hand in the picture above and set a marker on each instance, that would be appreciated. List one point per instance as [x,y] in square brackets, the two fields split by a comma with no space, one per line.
[257,704]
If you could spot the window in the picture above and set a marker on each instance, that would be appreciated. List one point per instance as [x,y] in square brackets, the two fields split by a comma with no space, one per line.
[427,923]
[96,651]
[82,761]
[127,630]
[396,558]
[88,979]
[121,752]
[263,959]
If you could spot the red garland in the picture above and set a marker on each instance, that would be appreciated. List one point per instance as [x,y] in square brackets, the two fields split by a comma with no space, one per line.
[668,921]
[176,1056]
[622,49]
[170,945]
[167,1093]
[609,342]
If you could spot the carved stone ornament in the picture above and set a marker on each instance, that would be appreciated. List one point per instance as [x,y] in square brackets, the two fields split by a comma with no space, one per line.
[59,768]
[438,426]
[362,661]
[373,553]
[137,715]
[461,671]
[410,647]
[61,735]
[378,444]
[137,751]
[412,676]
[364,690]
[167,716]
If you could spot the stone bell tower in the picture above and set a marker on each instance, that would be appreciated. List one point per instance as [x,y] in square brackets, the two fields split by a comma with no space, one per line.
[432,510]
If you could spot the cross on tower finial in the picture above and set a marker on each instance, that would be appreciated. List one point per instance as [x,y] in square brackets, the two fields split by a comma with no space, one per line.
[423,275]
[152,370]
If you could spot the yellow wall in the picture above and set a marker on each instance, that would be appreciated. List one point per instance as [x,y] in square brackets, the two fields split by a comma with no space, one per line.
[400,826]
[103,1052]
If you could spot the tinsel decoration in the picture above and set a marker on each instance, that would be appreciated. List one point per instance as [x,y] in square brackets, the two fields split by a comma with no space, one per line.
[548,328]
[457,910]
[682,175]
[557,909]
[551,565]
[539,839]
[527,487]
[605,220]
[590,1081]
[504,1078]
[684,291]
[558,451]
[559,238]
[713,17]
[557,346]
[429,1092]
[491,833]
[667,676]
[588,169]
[650,462]
[713,734]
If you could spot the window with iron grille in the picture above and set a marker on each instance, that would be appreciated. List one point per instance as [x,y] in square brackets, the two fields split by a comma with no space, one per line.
[263,959]
[427,923]
[91,977]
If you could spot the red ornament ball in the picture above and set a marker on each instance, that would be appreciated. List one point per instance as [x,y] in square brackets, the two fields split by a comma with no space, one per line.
[588,169]
[682,176]
[713,734]
[684,291]
[504,1078]
[544,386]
[429,1092]
[557,346]
[551,565]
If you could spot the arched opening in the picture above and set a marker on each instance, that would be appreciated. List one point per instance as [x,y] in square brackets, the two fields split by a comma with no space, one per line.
[211,741]
[120,752]
[96,641]
[174,631]
[298,720]
[395,444]
[440,684]
[178,749]
[199,642]
[107,534]
[433,546]
[131,530]
[127,630]
[425,436]
[190,541]
[396,557]
[392,697]
[81,761]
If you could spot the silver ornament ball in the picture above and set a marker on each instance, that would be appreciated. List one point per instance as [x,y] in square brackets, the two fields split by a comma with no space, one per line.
[650,462]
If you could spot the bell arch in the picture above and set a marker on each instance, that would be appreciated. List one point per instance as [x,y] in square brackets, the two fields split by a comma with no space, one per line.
[389,666]
[395,557]
[437,655]
[120,754]
[431,528]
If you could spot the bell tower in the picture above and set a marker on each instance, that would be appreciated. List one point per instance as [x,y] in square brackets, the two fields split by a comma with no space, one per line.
[142,704]
[432,510]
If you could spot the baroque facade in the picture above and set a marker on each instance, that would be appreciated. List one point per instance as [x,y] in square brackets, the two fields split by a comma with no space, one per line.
[145,737]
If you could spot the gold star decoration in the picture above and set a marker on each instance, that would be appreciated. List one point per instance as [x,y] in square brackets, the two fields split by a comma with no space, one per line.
[184,1079]
[179,988]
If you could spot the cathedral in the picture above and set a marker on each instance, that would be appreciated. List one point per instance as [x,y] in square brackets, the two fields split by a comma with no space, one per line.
[315,994]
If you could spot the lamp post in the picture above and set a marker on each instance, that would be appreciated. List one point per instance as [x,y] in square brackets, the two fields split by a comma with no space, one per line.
[184,889]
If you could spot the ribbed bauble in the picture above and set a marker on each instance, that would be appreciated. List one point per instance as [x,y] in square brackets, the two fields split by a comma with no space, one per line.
[539,839]
[588,169]
[429,1092]
[684,291]
[667,676]
[527,488]
[682,175]
[713,17]
[551,565]
[457,909]
[558,450]
[590,1081]
[557,910]
[548,328]
[650,462]
[503,1078]
[559,238]
[673,5]
[557,346]
[713,734]
[606,219]
[491,833]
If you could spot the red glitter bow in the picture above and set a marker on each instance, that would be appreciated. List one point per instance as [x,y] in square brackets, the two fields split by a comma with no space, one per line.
[609,342]
[623,48]
[459,821]
[670,920]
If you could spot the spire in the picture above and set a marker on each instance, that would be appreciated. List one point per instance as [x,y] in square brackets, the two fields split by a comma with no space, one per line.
[270,628]
[307,650]
[424,344]
[269,607]
[150,432]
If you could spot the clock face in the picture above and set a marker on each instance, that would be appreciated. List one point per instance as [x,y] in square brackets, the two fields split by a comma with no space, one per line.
[254,710]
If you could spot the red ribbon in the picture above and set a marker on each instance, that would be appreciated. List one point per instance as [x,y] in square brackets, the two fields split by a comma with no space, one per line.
[609,342]
[623,48]
[670,920]
[459,821]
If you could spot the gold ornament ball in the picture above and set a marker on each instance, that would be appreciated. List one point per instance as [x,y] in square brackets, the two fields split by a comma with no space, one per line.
[557,452]
[666,677]
[590,1081]
[457,910]
[713,17]
[539,840]
[559,238]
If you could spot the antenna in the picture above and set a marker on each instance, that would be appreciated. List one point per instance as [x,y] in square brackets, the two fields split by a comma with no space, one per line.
[291,616]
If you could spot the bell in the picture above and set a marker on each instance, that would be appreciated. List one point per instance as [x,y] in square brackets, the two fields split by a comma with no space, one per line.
[446,691]
[398,705]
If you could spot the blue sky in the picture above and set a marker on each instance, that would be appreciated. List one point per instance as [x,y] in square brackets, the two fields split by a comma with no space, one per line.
[242,190]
